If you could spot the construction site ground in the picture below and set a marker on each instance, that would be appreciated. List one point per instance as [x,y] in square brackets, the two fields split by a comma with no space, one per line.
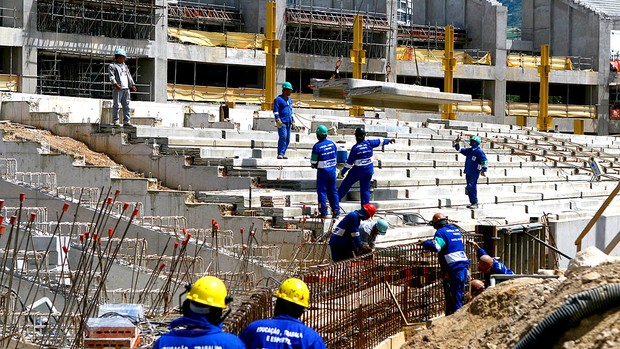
[502,315]
[63,145]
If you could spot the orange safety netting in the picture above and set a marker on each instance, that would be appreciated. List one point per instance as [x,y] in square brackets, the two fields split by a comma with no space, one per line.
[615,64]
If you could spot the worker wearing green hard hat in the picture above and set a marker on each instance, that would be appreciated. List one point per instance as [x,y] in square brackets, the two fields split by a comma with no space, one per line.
[323,159]
[283,114]
[476,164]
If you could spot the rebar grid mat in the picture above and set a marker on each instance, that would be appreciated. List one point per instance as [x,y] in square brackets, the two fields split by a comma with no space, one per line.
[164,223]
[224,237]
[88,196]
[40,180]
[262,253]
[8,168]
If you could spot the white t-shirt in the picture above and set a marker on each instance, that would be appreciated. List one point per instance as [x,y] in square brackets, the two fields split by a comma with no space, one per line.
[124,81]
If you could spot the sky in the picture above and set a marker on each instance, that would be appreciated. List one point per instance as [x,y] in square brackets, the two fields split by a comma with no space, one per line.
[615,41]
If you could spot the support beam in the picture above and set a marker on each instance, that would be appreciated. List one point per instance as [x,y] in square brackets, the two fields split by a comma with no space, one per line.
[449,67]
[579,127]
[272,48]
[597,215]
[544,122]
[358,57]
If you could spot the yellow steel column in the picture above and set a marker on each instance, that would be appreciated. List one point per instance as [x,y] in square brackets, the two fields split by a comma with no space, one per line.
[271,46]
[544,122]
[358,57]
[449,66]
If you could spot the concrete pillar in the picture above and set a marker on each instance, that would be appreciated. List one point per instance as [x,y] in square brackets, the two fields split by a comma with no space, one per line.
[500,54]
[28,57]
[604,49]
[281,35]
[392,39]
[158,72]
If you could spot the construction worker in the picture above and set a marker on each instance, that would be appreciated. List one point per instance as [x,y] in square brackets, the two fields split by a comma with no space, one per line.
[323,159]
[360,164]
[370,230]
[345,242]
[202,319]
[448,243]
[283,113]
[284,330]
[477,287]
[475,165]
[489,265]
[121,80]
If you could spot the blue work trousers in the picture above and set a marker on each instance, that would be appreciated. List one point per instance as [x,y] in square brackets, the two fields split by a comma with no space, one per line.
[453,289]
[326,189]
[284,138]
[341,248]
[472,187]
[122,96]
[352,177]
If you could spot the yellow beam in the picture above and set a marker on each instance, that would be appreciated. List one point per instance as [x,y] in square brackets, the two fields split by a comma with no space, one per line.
[544,122]
[271,46]
[521,120]
[358,57]
[449,67]
[580,127]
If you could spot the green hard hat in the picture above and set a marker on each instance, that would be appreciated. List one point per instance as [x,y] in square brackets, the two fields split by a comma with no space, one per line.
[321,130]
[476,139]
[382,226]
[287,85]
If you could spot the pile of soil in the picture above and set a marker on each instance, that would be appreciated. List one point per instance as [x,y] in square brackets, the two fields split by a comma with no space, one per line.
[63,145]
[502,315]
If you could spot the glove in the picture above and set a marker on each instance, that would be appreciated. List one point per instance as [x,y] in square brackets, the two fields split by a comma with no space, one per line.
[278,123]
[364,250]
[293,125]
[392,141]
[483,174]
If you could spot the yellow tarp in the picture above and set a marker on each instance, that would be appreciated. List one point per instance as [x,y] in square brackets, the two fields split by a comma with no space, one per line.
[555,110]
[211,39]
[9,83]
[404,53]
[557,63]
[475,106]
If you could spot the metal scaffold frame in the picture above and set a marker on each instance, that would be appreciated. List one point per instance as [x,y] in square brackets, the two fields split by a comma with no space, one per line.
[198,16]
[130,19]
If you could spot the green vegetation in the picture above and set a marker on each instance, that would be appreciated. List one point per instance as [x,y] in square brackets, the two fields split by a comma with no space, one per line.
[514,18]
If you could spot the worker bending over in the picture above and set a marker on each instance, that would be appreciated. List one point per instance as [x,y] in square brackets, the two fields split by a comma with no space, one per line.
[345,242]
[370,230]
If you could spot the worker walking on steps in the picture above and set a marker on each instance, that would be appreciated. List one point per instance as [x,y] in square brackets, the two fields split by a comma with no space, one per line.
[359,165]
[202,319]
[122,82]
[370,230]
[323,159]
[346,242]
[489,265]
[283,113]
[448,243]
[475,165]
[285,330]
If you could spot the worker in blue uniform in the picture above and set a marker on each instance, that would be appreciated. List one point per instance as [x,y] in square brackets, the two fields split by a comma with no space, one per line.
[323,159]
[476,164]
[359,165]
[202,319]
[448,243]
[345,241]
[283,114]
[369,231]
[285,330]
[489,265]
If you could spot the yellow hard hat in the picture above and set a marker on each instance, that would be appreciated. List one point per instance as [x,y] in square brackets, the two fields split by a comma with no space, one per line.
[209,290]
[294,291]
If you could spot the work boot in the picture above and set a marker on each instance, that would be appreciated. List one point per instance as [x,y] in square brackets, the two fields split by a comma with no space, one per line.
[127,124]
[280,157]
[116,123]
[473,206]
[284,157]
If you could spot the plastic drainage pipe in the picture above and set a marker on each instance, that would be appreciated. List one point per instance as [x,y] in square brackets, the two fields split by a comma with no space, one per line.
[576,308]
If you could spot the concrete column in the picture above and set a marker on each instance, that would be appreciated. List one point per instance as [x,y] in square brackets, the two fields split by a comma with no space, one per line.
[28,57]
[392,39]
[500,54]
[281,35]
[157,75]
[604,49]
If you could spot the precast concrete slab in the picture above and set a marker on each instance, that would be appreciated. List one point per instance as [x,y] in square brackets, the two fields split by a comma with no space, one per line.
[385,94]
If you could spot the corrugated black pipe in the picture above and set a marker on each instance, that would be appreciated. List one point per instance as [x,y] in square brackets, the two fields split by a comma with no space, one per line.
[576,308]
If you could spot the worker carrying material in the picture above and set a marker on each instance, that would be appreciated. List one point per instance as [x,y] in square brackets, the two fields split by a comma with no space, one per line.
[284,330]
[283,114]
[202,319]
[476,164]
[359,165]
[370,230]
[448,243]
[323,159]
[489,265]
[345,241]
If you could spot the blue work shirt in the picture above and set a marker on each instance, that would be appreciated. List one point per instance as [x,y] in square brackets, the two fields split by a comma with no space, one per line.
[475,159]
[281,332]
[347,230]
[448,242]
[498,267]
[208,336]
[283,109]
[323,156]
[360,157]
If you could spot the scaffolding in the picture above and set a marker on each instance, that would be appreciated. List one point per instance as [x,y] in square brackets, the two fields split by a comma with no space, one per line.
[130,19]
[196,16]
[429,36]
[330,33]
[9,14]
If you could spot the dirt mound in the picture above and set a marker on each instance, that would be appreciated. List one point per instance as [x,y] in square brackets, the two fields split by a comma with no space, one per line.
[63,145]
[502,315]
